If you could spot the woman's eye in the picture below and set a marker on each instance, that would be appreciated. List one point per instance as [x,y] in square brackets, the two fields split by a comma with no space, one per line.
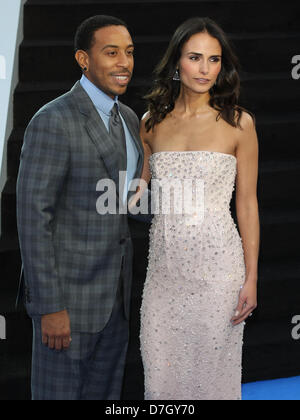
[194,58]
[215,59]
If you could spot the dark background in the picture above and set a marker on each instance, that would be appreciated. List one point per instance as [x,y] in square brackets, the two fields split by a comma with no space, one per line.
[266,36]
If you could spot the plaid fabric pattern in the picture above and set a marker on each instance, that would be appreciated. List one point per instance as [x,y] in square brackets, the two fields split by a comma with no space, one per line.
[91,369]
[71,255]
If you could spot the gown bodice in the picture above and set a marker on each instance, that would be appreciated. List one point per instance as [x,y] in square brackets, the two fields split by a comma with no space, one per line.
[215,172]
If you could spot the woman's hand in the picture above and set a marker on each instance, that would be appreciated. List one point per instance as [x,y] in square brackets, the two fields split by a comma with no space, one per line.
[135,198]
[247,302]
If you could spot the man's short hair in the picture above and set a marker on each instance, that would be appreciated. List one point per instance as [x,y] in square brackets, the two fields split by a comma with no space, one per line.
[84,37]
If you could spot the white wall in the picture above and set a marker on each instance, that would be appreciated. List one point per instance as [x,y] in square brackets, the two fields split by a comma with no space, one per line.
[11,35]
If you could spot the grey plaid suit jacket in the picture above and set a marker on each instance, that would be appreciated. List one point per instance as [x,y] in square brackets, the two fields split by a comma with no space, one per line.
[72,256]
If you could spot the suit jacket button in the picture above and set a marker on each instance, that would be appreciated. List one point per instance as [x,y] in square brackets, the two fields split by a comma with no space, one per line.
[122,241]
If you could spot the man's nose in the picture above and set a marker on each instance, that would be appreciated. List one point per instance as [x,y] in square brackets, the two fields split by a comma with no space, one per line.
[124,60]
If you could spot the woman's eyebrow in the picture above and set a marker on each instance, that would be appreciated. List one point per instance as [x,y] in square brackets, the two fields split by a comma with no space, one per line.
[199,54]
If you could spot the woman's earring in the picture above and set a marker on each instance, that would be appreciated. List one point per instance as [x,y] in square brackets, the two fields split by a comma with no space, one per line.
[84,69]
[176,76]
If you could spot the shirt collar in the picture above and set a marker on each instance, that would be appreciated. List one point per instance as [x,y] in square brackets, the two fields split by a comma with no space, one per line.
[100,99]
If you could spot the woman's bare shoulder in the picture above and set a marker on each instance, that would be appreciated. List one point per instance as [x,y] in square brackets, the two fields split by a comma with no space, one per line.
[146,135]
[144,120]
[247,121]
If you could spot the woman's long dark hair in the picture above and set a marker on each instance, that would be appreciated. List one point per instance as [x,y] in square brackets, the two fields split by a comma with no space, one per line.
[224,95]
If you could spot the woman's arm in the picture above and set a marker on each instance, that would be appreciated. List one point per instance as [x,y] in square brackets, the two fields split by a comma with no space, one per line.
[248,214]
[146,173]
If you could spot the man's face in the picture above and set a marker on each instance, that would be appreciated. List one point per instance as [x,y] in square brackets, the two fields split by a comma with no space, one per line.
[110,61]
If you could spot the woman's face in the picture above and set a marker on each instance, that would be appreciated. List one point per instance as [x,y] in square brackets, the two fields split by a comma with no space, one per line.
[200,62]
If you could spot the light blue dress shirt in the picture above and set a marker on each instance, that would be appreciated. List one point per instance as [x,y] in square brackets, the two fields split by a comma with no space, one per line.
[104,105]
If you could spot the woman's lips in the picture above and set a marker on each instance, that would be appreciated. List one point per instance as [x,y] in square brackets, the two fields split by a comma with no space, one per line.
[202,81]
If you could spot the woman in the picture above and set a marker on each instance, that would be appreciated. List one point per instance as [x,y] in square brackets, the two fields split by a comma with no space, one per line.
[202,277]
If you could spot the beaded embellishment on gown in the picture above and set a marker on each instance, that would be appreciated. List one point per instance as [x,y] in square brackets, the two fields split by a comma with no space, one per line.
[190,349]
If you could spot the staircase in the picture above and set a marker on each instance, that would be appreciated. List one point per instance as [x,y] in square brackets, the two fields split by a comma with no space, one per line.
[266,36]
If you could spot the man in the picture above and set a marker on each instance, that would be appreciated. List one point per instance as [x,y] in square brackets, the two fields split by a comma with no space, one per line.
[77,262]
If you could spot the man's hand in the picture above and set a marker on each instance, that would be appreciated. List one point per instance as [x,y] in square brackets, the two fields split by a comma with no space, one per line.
[56,330]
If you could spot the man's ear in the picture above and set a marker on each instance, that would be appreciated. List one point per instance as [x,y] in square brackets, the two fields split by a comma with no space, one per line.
[82,59]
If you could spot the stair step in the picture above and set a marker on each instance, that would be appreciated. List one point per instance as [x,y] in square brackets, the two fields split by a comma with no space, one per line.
[277,135]
[279,235]
[275,186]
[15,356]
[281,277]
[278,182]
[270,352]
[38,59]
[275,282]
[18,335]
[8,209]
[271,130]
[14,147]
[15,377]
[10,263]
[257,95]
[269,18]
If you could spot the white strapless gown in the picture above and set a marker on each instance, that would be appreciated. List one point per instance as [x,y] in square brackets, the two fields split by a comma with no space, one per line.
[189,347]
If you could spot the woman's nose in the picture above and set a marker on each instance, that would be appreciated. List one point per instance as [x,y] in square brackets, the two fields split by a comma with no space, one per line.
[204,68]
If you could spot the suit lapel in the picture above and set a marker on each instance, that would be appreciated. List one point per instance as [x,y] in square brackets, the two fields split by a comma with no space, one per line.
[99,136]
[98,133]
[103,143]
